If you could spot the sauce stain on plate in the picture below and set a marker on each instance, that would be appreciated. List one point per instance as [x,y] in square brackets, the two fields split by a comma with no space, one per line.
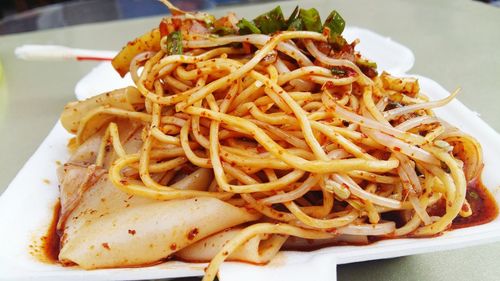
[46,248]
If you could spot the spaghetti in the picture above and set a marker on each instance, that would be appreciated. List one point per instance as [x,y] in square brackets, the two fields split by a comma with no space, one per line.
[293,125]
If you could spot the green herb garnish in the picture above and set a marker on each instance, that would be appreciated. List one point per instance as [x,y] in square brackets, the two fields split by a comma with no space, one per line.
[222,31]
[338,71]
[174,43]
[366,63]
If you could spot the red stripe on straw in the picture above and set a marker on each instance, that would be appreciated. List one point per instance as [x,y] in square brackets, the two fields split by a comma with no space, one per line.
[93,58]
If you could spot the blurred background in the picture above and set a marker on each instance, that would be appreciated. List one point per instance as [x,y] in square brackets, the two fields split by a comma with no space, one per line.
[28,15]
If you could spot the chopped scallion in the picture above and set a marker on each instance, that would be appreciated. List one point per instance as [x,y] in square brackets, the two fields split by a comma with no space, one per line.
[222,31]
[366,63]
[174,43]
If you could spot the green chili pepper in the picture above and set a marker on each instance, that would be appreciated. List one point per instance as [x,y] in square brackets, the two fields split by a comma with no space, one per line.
[271,21]
[300,19]
[293,16]
[310,19]
[296,25]
[247,27]
[335,23]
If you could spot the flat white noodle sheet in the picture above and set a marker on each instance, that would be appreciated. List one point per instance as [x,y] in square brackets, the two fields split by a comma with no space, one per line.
[26,206]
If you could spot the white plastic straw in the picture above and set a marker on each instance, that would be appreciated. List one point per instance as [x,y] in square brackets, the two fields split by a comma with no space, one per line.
[54,52]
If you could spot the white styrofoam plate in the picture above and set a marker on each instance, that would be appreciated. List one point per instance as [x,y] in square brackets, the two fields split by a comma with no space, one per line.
[389,55]
[26,206]
[92,84]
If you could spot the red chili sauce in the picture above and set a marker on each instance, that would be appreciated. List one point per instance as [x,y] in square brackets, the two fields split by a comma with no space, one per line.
[46,248]
[483,205]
